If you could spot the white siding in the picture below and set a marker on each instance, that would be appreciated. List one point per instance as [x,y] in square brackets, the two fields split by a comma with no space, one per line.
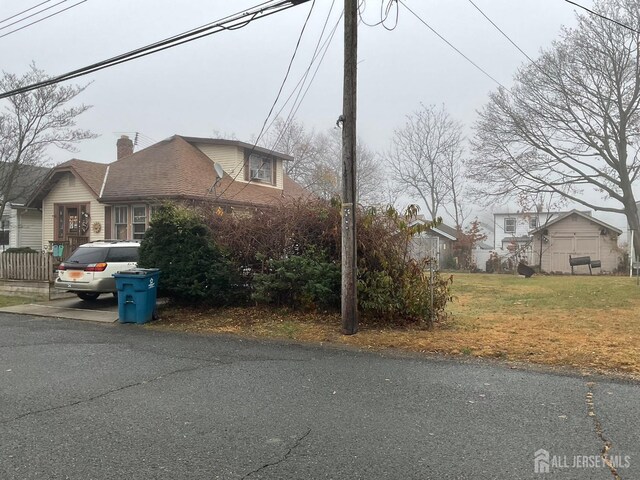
[70,190]
[29,231]
[11,214]
[232,161]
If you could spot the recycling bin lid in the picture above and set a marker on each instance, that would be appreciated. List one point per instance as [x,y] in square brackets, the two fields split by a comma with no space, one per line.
[138,271]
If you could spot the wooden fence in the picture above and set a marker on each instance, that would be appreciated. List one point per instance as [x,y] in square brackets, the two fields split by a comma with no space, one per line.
[26,266]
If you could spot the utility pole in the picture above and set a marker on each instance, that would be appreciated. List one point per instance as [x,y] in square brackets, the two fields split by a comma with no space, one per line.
[349,206]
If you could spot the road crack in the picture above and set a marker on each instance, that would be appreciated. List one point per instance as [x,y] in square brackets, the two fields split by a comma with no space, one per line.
[283,458]
[100,395]
[607,444]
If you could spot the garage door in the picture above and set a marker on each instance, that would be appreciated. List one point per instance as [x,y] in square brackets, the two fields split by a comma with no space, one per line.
[561,247]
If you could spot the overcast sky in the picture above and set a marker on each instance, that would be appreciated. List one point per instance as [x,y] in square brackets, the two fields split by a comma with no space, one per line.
[225,84]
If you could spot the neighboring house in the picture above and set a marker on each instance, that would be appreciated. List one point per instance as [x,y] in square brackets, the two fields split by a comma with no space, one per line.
[84,201]
[436,242]
[480,255]
[21,226]
[512,232]
[575,234]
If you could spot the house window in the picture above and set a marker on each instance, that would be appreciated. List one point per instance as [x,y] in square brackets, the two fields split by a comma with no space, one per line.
[120,216]
[510,225]
[260,168]
[533,223]
[4,232]
[139,221]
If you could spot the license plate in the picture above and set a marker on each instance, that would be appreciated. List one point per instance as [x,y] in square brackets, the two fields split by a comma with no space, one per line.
[76,274]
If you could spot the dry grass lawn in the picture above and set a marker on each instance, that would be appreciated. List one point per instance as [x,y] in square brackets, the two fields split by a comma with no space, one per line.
[589,323]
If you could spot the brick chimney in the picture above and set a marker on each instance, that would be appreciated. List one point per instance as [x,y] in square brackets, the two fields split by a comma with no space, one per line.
[125,147]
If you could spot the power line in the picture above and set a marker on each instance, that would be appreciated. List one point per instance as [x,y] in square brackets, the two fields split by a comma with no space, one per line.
[501,31]
[41,19]
[231,22]
[298,101]
[603,17]
[450,44]
[273,105]
[320,45]
[24,11]
[294,108]
[34,14]
[384,14]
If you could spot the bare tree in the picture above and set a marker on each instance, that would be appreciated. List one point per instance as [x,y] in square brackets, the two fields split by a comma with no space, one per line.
[31,123]
[453,171]
[292,138]
[425,155]
[317,163]
[571,120]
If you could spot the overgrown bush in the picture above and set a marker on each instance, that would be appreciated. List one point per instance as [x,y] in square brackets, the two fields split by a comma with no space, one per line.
[308,280]
[192,267]
[278,249]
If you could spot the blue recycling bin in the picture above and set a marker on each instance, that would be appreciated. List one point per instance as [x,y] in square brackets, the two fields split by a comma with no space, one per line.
[137,293]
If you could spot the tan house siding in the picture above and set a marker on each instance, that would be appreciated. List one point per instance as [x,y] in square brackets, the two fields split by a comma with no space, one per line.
[232,160]
[70,190]
[576,236]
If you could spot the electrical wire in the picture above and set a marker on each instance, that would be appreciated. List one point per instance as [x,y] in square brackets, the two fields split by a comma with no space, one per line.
[306,73]
[298,102]
[502,32]
[604,17]
[24,11]
[273,105]
[34,14]
[450,44]
[383,15]
[42,19]
[231,22]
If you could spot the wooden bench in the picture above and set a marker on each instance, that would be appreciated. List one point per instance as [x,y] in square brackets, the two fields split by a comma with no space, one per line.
[577,261]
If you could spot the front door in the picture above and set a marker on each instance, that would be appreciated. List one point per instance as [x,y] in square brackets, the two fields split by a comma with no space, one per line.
[71,226]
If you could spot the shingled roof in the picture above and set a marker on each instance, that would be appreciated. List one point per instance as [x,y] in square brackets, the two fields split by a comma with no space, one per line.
[172,169]
[90,173]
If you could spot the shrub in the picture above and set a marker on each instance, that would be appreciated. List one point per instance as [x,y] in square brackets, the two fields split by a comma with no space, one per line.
[308,281]
[191,265]
[280,250]
[20,250]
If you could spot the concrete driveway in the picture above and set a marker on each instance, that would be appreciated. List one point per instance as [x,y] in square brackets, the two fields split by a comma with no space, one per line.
[104,309]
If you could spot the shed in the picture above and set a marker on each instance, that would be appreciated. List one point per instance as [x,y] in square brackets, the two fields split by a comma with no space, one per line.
[575,234]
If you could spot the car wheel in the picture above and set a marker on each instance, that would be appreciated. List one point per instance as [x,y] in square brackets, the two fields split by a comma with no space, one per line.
[88,296]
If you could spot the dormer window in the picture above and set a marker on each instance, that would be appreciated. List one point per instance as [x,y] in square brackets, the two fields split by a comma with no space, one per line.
[261,169]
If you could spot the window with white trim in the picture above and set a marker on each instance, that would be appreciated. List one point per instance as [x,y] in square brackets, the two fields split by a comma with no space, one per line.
[120,215]
[139,221]
[533,223]
[509,225]
[260,168]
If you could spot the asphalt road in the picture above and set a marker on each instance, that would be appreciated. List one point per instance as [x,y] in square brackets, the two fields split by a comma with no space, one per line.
[84,400]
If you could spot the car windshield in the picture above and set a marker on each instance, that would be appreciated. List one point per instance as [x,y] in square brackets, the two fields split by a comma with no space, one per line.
[88,255]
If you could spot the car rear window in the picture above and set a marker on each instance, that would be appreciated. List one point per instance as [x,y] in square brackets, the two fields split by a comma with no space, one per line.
[88,255]
[123,254]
